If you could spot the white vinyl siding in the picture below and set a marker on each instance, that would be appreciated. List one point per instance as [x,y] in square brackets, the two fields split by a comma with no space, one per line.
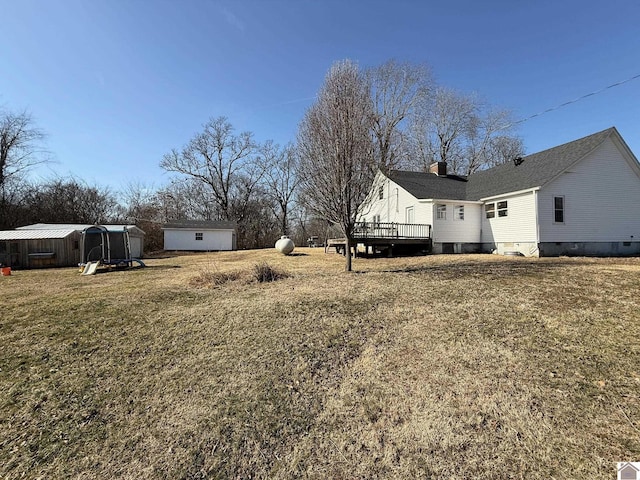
[456,231]
[186,239]
[519,223]
[601,197]
[393,207]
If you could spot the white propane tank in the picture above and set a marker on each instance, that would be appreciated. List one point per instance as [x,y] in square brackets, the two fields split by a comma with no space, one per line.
[285,245]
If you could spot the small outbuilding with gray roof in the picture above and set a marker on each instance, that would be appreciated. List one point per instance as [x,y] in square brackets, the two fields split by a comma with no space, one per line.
[199,235]
[59,245]
[40,248]
[579,198]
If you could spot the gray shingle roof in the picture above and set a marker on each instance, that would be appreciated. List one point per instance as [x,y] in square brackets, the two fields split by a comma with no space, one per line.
[202,224]
[534,171]
[428,185]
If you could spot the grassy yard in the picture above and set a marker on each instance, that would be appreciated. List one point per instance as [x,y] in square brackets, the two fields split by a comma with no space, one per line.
[427,367]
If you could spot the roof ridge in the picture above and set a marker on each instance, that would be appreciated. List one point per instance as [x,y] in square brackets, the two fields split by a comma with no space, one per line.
[608,130]
[536,169]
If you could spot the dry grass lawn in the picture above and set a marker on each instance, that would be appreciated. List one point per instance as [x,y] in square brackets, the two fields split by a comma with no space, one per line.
[426,367]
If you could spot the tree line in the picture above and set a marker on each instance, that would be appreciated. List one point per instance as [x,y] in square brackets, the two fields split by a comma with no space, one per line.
[392,116]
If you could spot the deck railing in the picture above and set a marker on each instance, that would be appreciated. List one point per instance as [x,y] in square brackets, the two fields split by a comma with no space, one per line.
[391,230]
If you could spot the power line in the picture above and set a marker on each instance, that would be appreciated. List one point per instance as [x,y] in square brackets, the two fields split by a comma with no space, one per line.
[573,101]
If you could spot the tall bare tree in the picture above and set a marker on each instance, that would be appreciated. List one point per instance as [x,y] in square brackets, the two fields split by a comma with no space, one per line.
[336,147]
[20,149]
[223,170]
[186,198]
[398,90]
[462,131]
[280,179]
[489,143]
[20,144]
[502,149]
[218,159]
[440,131]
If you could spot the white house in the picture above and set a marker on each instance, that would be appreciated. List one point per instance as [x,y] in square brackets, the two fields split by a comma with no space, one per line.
[199,235]
[580,198]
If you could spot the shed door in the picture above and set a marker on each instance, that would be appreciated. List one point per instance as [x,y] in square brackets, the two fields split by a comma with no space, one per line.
[136,247]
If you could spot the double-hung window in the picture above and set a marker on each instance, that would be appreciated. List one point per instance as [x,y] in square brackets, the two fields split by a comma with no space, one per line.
[199,235]
[458,212]
[441,212]
[558,209]
[502,208]
[490,210]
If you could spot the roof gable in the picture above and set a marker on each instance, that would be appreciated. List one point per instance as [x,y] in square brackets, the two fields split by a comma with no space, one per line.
[534,170]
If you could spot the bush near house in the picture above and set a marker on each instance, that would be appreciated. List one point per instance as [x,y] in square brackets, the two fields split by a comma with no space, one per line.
[427,367]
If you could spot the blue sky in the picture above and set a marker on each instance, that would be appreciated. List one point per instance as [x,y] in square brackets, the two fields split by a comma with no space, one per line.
[116,84]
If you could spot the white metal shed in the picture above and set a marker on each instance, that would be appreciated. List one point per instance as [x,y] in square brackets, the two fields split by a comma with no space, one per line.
[199,235]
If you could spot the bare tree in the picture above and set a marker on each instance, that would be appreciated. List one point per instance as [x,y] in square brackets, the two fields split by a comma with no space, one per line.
[488,143]
[398,90]
[187,198]
[218,159]
[141,205]
[13,208]
[336,147]
[69,201]
[20,144]
[20,149]
[503,149]
[440,131]
[280,180]
[463,132]
[259,226]
[223,171]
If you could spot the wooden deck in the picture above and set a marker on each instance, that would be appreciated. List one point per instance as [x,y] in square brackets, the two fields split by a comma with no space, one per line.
[376,238]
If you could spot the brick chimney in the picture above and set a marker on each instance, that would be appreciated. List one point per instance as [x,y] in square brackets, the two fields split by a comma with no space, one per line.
[439,168]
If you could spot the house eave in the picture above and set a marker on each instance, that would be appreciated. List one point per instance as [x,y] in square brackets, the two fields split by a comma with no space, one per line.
[450,200]
[509,194]
[198,229]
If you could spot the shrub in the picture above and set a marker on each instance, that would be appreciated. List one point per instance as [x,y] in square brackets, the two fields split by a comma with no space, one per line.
[263,272]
